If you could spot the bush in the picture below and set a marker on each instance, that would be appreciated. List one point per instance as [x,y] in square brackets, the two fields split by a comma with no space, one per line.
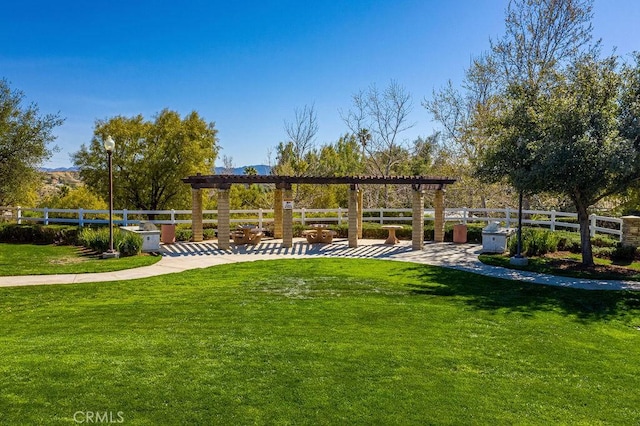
[535,242]
[39,234]
[127,243]
[623,253]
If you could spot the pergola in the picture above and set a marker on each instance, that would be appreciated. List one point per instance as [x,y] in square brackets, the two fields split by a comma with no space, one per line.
[283,202]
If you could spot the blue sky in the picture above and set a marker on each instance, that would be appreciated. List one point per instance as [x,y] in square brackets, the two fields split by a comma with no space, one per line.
[246,65]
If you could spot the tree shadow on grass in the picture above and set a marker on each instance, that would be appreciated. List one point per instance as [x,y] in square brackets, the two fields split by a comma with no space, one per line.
[486,293]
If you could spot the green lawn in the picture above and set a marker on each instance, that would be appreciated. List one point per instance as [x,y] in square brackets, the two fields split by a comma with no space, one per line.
[29,259]
[320,341]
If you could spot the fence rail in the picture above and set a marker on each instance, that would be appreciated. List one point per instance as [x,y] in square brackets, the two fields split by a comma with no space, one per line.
[508,217]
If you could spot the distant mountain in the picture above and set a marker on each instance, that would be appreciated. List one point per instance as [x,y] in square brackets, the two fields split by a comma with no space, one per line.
[59,169]
[261,168]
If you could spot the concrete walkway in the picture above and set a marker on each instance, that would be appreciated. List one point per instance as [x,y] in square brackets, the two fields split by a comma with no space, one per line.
[184,256]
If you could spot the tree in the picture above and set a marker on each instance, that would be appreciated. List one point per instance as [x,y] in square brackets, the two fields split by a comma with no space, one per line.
[378,119]
[25,136]
[250,171]
[575,139]
[301,134]
[541,36]
[150,158]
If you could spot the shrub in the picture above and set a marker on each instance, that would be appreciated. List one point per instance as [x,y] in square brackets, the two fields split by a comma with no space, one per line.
[603,241]
[39,234]
[127,243]
[623,253]
[535,242]
[602,252]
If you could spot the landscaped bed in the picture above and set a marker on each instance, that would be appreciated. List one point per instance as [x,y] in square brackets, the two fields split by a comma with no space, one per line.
[319,341]
[569,264]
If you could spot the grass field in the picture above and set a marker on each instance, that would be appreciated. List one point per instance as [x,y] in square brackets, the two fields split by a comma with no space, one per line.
[29,259]
[320,341]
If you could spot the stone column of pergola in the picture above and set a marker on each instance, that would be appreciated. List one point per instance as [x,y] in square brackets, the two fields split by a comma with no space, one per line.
[224,228]
[287,220]
[353,216]
[417,218]
[438,223]
[631,231]
[196,215]
[360,209]
[277,213]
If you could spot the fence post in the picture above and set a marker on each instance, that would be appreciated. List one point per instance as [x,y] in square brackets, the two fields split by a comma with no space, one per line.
[19,215]
[46,216]
[553,220]
[125,220]
[464,215]
[173,217]
[80,217]
[592,226]
[302,216]
[381,217]
[260,223]
[507,213]
[339,215]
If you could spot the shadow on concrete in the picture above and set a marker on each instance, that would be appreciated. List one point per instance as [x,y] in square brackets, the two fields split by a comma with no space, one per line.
[274,248]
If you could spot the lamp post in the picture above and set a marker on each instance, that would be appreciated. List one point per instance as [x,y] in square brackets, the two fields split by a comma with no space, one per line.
[519,259]
[109,146]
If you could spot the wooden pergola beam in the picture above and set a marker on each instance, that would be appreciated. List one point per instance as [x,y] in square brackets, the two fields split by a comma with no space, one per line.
[214,181]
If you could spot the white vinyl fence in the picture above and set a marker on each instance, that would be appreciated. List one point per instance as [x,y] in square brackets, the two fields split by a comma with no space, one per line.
[508,217]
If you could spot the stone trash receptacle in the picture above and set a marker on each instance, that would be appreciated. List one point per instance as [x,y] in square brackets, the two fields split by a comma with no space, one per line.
[460,233]
[168,233]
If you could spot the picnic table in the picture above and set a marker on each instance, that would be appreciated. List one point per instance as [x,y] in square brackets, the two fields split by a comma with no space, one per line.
[392,239]
[247,234]
[319,233]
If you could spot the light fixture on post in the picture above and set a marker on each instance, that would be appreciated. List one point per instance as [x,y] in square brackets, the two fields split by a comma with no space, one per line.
[109,146]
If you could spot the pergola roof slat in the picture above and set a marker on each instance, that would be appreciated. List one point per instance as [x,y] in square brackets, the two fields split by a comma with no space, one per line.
[213,181]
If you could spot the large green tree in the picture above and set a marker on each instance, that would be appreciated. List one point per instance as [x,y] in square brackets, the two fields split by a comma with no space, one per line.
[578,137]
[25,138]
[540,37]
[149,159]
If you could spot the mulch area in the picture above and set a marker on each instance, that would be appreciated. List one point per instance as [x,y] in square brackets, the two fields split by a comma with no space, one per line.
[559,260]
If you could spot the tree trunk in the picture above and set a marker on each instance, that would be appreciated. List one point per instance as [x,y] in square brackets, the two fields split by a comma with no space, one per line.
[585,235]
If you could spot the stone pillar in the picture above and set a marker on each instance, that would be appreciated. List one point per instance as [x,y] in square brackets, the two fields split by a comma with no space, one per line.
[196,215]
[287,220]
[417,219]
[631,231]
[353,216]
[277,213]
[438,223]
[360,209]
[223,219]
